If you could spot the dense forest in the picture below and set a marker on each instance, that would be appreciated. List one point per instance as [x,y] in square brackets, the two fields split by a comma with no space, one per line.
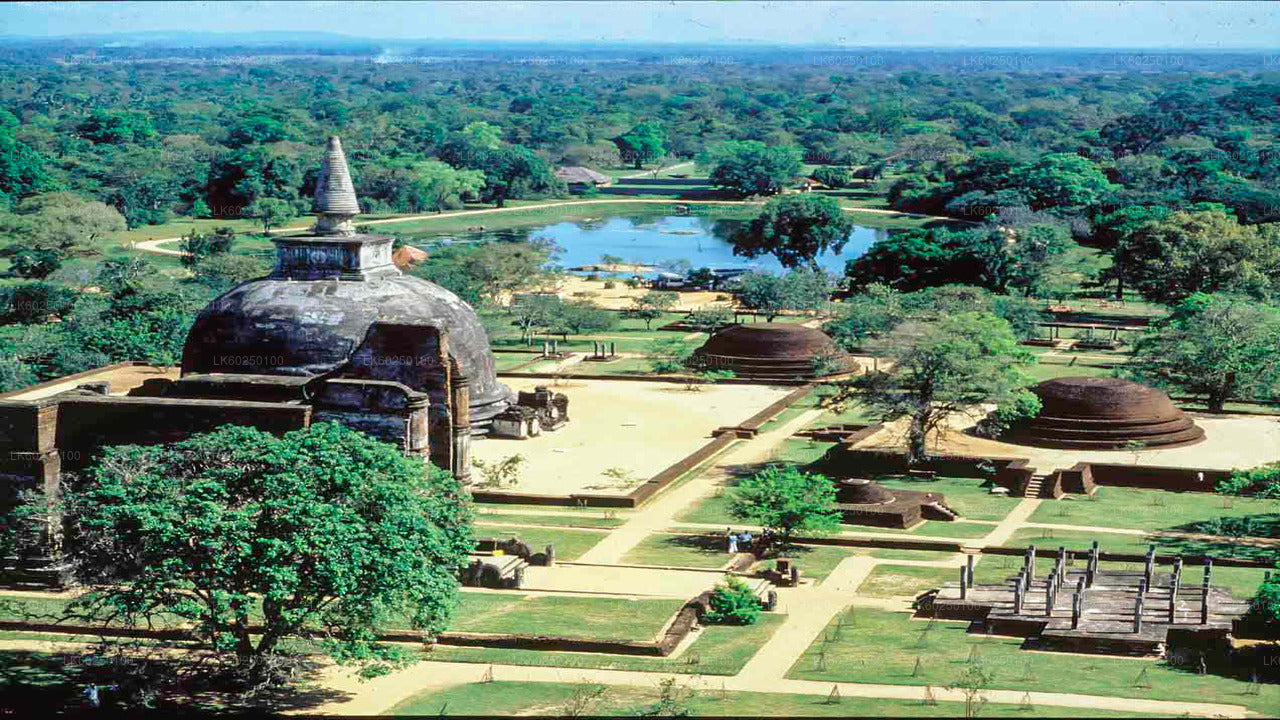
[1169,163]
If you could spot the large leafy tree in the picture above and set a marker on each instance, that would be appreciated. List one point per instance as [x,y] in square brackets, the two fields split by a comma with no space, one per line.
[801,289]
[439,187]
[941,368]
[324,534]
[750,167]
[22,169]
[1213,346]
[1062,180]
[646,142]
[1201,251]
[785,499]
[271,212]
[62,224]
[651,306]
[796,229]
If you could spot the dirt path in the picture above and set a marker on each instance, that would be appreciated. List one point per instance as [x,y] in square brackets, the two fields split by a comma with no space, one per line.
[378,696]
[661,512]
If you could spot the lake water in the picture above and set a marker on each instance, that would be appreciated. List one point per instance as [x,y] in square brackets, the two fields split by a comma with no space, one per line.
[659,239]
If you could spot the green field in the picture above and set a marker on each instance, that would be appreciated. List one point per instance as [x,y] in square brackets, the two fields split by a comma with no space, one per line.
[718,650]
[559,616]
[698,551]
[1150,509]
[533,698]
[1137,544]
[876,646]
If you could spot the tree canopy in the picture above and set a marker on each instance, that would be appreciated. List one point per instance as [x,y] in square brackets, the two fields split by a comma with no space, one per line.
[941,368]
[1213,346]
[324,535]
[796,229]
[786,500]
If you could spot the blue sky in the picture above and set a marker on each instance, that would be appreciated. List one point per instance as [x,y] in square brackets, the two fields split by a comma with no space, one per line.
[955,24]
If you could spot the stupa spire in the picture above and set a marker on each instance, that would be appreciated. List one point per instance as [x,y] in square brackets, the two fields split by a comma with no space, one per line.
[335,199]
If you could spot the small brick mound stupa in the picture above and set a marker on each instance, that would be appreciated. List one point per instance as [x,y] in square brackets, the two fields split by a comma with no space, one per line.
[1095,413]
[782,351]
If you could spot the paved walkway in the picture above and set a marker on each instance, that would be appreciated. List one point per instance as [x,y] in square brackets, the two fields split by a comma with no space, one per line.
[381,694]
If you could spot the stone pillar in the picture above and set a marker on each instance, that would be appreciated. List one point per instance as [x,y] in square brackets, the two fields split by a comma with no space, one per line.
[1173,603]
[1030,561]
[1062,561]
[1204,604]
[1017,598]
[964,587]
[1077,603]
[1142,586]
[1137,615]
[613,349]
[460,398]
[969,569]
[1150,566]
[551,554]
[1208,570]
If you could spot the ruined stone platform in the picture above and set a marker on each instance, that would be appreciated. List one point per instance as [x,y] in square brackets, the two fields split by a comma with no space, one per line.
[1106,623]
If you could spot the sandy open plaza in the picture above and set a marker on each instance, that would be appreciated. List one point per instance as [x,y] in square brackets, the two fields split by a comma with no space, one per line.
[1231,441]
[639,427]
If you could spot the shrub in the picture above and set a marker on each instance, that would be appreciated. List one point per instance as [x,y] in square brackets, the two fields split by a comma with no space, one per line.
[609,284]
[632,283]
[1262,481]
[1264,608]
[732,603]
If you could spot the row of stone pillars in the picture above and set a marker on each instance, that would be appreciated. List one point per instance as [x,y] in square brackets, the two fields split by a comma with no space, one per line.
[601,350]
[1175,586]
[1056,577]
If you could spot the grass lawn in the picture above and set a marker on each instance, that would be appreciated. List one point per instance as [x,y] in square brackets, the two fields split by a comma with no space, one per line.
[966,496]
[905,580]
[718,650]
[570,544]
[1056,368]
[895,554]
[876,646]
[1135,544]
[815,561]
[1149,509]
[569,521]
[532,698]
[801,451]
[504,362]
[559,616]
[699,551]
[954,529]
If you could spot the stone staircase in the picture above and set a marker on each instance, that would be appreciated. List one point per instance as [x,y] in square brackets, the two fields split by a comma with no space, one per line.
[943,512]
[1034,486]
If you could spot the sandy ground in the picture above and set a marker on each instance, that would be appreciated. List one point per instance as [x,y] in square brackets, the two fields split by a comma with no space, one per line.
[639,582]
[641,427]
[1230,442]
[620,296]
[122,381]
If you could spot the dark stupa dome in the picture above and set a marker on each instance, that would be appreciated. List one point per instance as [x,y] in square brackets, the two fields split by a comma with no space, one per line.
[328,289]
[773,350]
[1099,413]
[861,491]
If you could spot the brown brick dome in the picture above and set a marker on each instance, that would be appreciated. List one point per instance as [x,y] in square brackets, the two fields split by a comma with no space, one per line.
[773,351]
[1095,413]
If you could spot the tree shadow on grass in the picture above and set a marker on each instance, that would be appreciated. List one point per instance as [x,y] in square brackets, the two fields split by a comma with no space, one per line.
[54,682]
[707,544]
[1240,529]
